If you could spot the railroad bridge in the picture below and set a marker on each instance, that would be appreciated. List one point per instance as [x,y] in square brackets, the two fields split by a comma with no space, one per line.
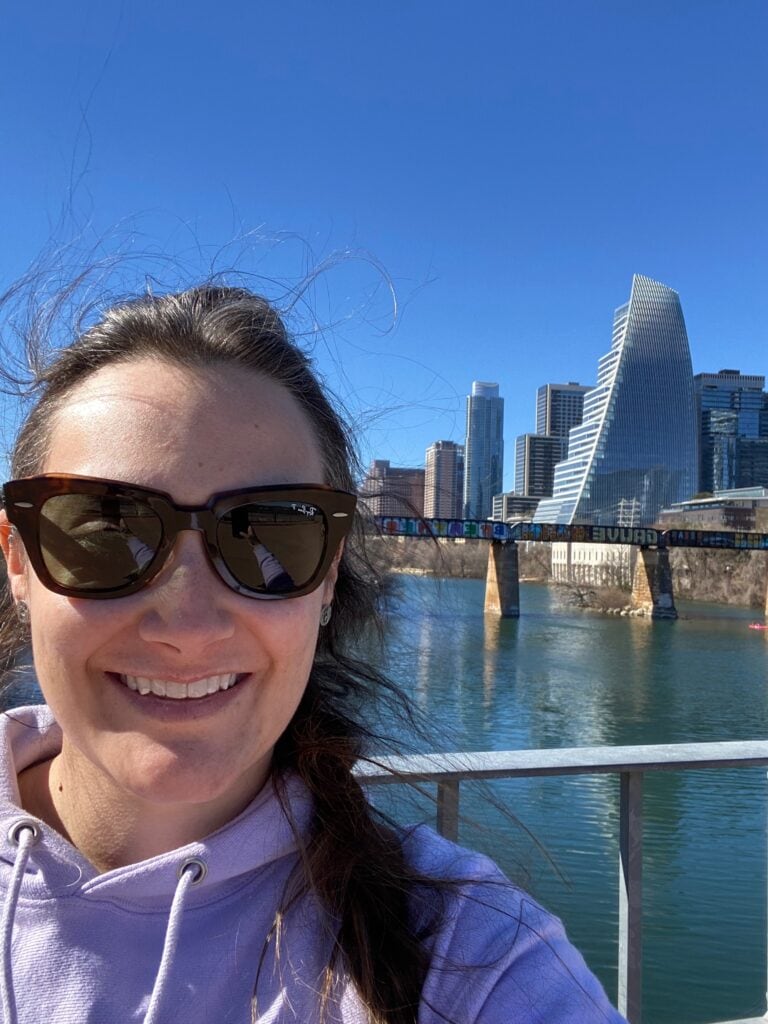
[651,582]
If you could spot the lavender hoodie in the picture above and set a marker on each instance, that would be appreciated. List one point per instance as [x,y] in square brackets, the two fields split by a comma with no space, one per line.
[138,944]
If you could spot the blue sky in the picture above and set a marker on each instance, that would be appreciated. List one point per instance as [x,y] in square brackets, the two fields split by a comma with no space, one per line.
[503,168]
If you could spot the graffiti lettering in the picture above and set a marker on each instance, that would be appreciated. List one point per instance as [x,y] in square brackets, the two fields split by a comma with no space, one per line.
[471,529]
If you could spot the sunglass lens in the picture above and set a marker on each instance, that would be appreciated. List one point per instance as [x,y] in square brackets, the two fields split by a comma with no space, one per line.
[272,547]
[98,542]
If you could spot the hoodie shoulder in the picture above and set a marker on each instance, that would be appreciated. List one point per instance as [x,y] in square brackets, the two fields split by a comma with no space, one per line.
[497,956]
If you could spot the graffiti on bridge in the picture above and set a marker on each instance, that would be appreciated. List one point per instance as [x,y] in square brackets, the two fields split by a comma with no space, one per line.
[737,539]
[474,529]
[584,534]
[642,536]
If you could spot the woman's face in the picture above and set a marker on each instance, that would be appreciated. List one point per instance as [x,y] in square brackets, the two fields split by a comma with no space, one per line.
[189,433]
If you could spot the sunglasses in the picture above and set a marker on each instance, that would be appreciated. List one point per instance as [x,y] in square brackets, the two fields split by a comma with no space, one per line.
[87,537]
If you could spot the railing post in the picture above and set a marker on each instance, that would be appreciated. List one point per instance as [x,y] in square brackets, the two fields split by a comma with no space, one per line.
[631,895]
[448,809]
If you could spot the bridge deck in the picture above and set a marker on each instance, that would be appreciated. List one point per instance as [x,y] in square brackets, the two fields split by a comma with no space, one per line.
[550,533]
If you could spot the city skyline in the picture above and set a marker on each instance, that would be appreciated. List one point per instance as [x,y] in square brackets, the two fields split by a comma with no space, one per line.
[731,416]
[490,183]
[509,469]
[536,407]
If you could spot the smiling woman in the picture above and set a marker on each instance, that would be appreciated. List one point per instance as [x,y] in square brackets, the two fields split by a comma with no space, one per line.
[183,837]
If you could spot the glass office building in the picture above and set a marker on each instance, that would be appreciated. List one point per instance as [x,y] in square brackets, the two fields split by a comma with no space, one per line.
[733,423]
[635,451]
[483,450]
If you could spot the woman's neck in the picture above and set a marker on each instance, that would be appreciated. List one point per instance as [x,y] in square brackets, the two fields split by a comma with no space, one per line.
[108,826]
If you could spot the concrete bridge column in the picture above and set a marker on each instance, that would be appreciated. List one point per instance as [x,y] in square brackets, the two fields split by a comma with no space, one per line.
[502,583]
[652,584]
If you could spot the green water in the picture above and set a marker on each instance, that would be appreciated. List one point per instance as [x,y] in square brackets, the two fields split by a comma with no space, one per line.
[560,677]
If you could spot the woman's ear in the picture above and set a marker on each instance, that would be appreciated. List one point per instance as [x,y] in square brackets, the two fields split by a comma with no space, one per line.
[329,583]
[15,562]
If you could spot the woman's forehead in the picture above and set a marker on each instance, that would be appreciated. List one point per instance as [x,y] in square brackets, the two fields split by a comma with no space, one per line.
[149,422]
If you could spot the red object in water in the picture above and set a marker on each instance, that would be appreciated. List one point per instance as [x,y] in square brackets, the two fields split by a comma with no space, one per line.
[757,625]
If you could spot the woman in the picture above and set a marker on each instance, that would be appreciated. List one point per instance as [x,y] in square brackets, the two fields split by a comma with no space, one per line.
[184,838]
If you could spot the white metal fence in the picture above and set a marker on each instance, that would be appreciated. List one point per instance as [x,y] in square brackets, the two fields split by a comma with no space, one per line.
[631,764]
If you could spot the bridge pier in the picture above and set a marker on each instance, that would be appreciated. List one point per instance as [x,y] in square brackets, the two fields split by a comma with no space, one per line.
[652,584]
[502,582]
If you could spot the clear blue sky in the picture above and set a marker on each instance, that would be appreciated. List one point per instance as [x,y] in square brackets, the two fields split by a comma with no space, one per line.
[509,165]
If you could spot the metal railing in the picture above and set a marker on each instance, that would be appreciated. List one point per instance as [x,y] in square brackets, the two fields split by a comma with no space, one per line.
[631,764]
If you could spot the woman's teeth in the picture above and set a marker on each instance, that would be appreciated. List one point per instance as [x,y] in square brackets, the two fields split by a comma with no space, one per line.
[179,691]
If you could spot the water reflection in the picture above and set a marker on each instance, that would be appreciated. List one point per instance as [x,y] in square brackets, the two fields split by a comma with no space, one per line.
[565,678]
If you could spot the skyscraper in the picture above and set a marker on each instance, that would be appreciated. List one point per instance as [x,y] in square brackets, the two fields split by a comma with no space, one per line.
[636,450]
[558,408]
[733,430]
[484,450]
[535,459]
[444,481]
[393,490]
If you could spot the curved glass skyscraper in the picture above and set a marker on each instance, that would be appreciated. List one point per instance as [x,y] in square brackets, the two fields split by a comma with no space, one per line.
[635,450]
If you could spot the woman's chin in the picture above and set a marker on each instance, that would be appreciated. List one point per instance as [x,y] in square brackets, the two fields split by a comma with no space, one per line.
[171,777]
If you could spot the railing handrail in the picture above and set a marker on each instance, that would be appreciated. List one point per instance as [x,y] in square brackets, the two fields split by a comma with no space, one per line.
[497,764]
[630,763]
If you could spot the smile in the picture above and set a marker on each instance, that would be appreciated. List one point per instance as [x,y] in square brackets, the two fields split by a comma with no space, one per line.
[179,691]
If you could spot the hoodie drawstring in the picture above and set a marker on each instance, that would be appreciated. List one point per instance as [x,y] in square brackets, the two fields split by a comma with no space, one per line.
[23,834]
[190,873]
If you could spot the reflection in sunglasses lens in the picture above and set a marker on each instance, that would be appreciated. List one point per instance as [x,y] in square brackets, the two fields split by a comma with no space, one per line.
[273,547]
[92,542]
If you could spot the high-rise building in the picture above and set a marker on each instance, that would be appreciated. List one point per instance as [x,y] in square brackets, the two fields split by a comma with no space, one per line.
[558,408]
[393,490]
[635,451]
[484,450]
[535,459]
[732,409]
[444,481]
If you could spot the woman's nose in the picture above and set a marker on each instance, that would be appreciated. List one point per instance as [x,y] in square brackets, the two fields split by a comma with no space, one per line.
[187,605]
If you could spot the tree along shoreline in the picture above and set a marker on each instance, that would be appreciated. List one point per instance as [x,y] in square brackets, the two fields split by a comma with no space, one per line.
[713,576]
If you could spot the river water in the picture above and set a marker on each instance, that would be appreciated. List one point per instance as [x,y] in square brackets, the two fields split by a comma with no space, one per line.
[561,677]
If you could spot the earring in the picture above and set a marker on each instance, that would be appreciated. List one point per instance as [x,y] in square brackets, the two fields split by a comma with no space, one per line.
[22,612]
[325,615]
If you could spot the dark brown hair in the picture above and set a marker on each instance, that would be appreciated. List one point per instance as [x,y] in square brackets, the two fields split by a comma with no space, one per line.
[351,858]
